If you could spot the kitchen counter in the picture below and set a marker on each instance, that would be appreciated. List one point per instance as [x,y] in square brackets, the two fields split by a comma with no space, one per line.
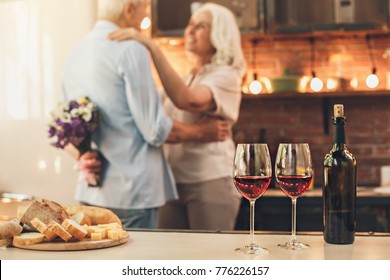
[164,245]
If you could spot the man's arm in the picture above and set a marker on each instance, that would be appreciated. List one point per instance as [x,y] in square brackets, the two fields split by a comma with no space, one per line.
[89,163]
[211,130]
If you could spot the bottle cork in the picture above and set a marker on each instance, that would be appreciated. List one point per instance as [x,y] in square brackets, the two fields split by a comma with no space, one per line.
[338,110]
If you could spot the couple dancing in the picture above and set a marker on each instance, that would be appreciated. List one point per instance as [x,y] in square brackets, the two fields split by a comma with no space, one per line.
[111,65]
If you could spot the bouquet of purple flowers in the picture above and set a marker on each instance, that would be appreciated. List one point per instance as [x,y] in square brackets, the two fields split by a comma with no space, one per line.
[72,124]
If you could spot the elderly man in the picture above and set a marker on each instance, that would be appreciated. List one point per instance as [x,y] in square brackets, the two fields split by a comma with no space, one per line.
[136,179]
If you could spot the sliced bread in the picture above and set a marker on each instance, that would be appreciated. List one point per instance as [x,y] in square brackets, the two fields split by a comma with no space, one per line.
[59,230]
[74,229]
[28,238]
[42,228]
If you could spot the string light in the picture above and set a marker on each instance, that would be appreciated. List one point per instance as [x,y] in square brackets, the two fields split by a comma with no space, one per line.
[255,87]
[372,80]
[315,83]
[331,84]
[354,83]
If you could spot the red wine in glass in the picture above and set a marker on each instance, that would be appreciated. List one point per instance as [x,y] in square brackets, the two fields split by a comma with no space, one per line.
[252,172]
[294,173]
[293,185]
[252,187]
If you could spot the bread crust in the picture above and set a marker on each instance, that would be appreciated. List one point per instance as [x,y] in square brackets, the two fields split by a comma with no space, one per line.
[74,229]
[9,229]
[42,228]
[46,211]
[97,215]
[28,238]
[59,230]
[81,218]
[5,242]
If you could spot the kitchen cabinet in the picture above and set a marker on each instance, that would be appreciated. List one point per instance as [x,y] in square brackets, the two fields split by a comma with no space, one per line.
[277,16]
[168,22]
[307,15]
[273,211]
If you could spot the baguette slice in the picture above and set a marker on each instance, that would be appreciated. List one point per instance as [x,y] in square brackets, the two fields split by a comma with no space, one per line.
[81,218]
[74,229]
[59,230]
[28,238]
[42,228]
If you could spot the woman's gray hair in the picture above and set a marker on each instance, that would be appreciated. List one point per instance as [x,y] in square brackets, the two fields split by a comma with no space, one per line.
[112,9]
[225,37]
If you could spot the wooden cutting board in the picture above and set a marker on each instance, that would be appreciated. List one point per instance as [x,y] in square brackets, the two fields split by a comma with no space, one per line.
[74,245]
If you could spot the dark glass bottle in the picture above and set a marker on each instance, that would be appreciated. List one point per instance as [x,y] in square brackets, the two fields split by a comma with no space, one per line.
[339,190]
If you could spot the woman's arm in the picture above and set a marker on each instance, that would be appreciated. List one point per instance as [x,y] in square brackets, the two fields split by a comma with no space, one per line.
[197,99]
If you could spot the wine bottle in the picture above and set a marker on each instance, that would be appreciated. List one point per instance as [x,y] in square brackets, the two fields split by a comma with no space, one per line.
[339,189]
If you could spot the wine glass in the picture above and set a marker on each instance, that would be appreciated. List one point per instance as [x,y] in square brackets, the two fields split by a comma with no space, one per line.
[294,173]
[252,175]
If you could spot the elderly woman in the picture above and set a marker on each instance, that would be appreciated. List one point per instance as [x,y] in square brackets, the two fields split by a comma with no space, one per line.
[203,171]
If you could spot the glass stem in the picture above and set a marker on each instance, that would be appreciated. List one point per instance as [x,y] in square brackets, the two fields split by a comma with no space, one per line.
[252,221]
[294,220]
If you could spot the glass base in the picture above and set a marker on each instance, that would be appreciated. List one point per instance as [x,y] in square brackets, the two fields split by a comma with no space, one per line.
[293,245]
[252,249]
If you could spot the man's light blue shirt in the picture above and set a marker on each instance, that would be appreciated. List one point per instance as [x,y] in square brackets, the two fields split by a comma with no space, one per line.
[117,77]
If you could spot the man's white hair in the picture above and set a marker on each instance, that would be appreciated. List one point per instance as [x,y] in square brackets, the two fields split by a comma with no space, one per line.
[225,37]
[112,9]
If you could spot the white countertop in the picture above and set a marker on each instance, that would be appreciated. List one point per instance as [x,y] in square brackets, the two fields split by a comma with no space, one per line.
[162,245]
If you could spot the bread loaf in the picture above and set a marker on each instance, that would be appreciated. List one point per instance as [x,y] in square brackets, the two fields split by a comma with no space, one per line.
[74,229]
[22,209]
[42,228]
[97,215]
[5,242]
[59,230]
[9,229]
[46,211]
[28,238]
[81,218]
